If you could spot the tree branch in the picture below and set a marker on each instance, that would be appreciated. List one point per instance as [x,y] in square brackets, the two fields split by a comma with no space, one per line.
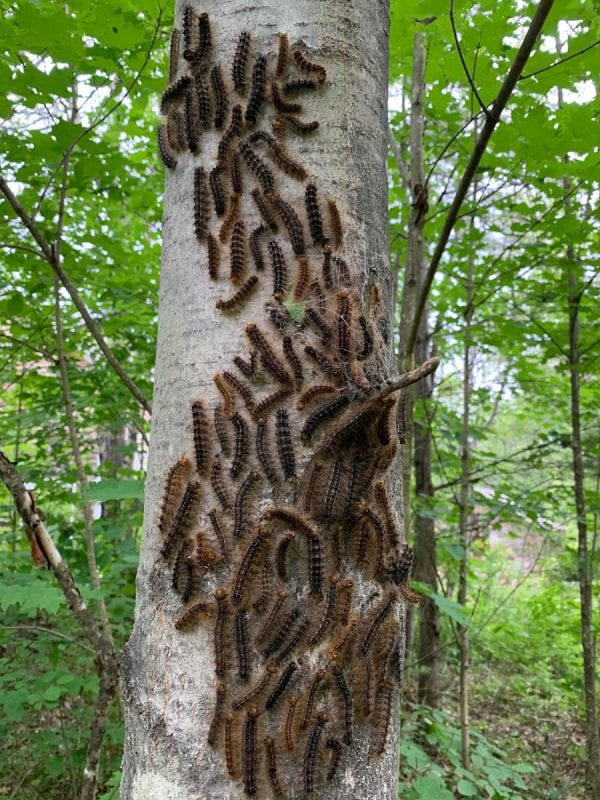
[560,61]
[482,105]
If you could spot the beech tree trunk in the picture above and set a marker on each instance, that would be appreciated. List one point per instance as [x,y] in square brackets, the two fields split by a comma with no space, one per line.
[168,674]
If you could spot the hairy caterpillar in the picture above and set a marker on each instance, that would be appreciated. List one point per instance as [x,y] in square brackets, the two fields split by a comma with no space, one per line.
[190,613]
[240,453]
[385,715]
[270,401]
[279,317]
[353,490]
[285,447]
[230,761]
[176,133]
[232,215]
[346,695]
[403,566]
[333,489]
[411,597]
[217,714]
[367,347]
[310,754]
[257,689]
[267,357]
[343,270]
[182,519]
[265,458]
[314,391]
[230,134]
[257,95]
[239,507]
[247,369]
[174,54]
[242,388]
[378,529]
[315,223]
[182,572]
[239,298]
[173,93]
[335,222]
[282,632]
[264,210]
[241,645]
[271,619]
[329,614]
[291,220]
[321,360]
[292,517]
[216,189]
[299,85]
[338,649]
[279,155]
[204,38]
[293,701]
[347,587]
[265,592]
[315,564]
[255,248]
[188,23]
[281,553]
[279,269]
[249,752]
[201,210]
[164,148]
[214,521]
[203,96]
[309,66]
[236,174]
[302,279]
[281,104]
[220,95]
[237,262]
[312,483]
[258,167]
[326,267]
[220,625]
[191,111]
[218,487]
[360,421]
[281,685]
[292,359]
[323,414]
[240,61]
[221,429]
[214,256]
[246,564]
[344,326]
[374,626]
[294,641]
[391,525]
[173,491]
[201,436]
[282,54]
[300,125]
[272,766]
[336,756]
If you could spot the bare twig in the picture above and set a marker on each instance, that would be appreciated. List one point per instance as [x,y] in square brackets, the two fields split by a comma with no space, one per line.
[482,105]
[560,61]
[414,376]
[51,631]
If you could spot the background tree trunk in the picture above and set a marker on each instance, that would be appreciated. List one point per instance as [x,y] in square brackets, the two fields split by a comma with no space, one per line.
[168,676]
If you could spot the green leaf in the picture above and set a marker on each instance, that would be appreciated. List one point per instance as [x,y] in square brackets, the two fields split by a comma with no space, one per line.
[446,605]
[115,489]
[432,787]
[467,788]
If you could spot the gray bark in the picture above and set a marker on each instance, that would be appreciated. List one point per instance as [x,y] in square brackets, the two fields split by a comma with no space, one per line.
[168,675]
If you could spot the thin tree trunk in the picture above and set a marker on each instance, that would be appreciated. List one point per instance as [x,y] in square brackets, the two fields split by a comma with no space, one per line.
[169,684]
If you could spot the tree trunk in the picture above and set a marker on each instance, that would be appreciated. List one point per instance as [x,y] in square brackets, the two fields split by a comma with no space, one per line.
[169,674]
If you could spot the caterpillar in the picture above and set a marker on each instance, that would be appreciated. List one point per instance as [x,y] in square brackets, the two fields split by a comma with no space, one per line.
[281,686]
[299,85]
[265,592]
[309,66]
[298,634]
[258,167]
[312,483]
[246,563]
[242,388]
[359,421]
[237,252]
[249,752]
[164,149]
[174,54]
[342,685]
[326,267]
[411,597]
[255,249]
[379,530]
[214,521]
[220,95]
[292,517]
[188,22]
[190,613]
[239,507]
[337,651]
[347,587]
[343,270]
[191,111]
[217,714]
[241,645]
[291,220]
[270,401]
[232,215]
[271,619]
[272,766]
[320,676]
[344,326]
[282,632]
[315,223]
[218,487]
[281,104]
[230,134]
[383,723]
[176,133]
[292,359]
[204,38]
[300,125]
[282,54]
[240,453]
[314,391]
[373,628]
[202,444]
[174,488]
[257,689]
[279,155]
[401,419]
[239,298]
[336,756]
[315,564]
[323,414]
[216,189]
[214,256]
[392,529]
[310,754]
[279,317]
[220,625]
[403,566]
[221,429]
[285,447]
[293,701]
[337,547]
[247,369]
[329,614]
[353,490]
[203,101]
[262,451]
[279,269]
[181,571]
[278,126]
[264,210]
[182,519]
[240,60]
[201,211]
[257,95]
[333,488]
[321,360]
[230,761]
[281,553]
[367,347]
[176,91]
[267,357]
[302,279]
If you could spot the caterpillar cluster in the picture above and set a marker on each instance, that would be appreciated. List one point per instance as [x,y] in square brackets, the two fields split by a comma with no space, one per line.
[284,489]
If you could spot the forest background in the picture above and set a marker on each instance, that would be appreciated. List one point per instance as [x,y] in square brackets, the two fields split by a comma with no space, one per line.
[499,710]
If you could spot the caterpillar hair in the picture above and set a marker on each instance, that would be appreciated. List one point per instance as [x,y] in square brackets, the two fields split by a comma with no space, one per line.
[188,28]
[255,248]
[300,125]
[285,447]
[240,453]
[181,571]
[315,223]
[342,685]
[257,689]
[182,519]
[353,489]
[303,626]
[248,370]
[302,278]
[326,267]
[281,686]
[242,388]
[232,215]
[292,517]
[376,525]
[293,701]
[347,587]
[192,119]
[230,761]
[218,487]
[313,392]
[243,572]
[202,443]
[292,359]
[269,402]
[384,718]
[222,431]
[216,189]
[172,493]
[257,94]
[323,414]
[337,547]
[329,613]
[403,566]
[401,419]
[279,155]
[236,174]
[315,564]
[263,453]
[336,756]
[320,676]
[321,360]
[174,54]
[317,321]
[291,220]
[393,534]
[217,714]
[214,521]
[281,553]
[203,96]
[201,209]
[204,38]
[239,507]
[230,134]
[335,223]
[279,127]
[337,651]
[220,96]
[309,66]
[173,93]
[343,271]
[264,210]
[279,269]
[241,645]
[361,420]
[382,612]
[283,52]
[279,316]
[411,597]
[344,326]
[164,149]
[333,488]
[272,617]
[281,104]
[272,766]
[214,256]
[191,613]
[176,133]
[265,592]
[249,752]
[240,61]
[258,167]
[237,262]
[220,625]
[267,357]
[297,86]
[310,489]
[282,633]
[367,347]
[238,299]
